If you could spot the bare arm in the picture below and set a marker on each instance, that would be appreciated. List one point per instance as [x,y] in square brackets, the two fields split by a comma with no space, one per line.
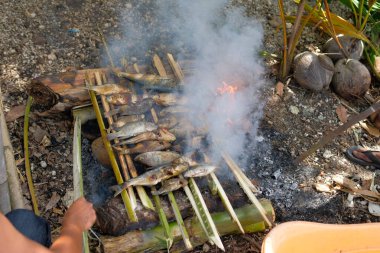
[78,218]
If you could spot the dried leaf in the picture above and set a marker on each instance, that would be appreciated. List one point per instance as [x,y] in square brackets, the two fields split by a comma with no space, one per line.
[370,129]
[15,113]
[371,3]
[280,89]
[341,111]
[53,201]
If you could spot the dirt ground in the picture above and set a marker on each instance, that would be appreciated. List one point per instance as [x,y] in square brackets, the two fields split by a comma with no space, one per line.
[45,37]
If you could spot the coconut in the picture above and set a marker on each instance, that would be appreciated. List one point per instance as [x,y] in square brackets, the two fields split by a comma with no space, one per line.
[351,79]
[353,46]
[313,71]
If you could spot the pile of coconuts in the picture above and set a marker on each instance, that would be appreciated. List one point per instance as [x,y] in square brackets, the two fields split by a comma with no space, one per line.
[348,77]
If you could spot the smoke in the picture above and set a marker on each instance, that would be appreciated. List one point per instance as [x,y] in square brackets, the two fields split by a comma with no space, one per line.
[224,45]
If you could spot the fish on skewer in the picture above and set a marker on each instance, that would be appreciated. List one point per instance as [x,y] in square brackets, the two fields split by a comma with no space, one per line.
[173,110]
[132,129]
[142,147]
[170,185]
[157,158]
[109,89]
[123,120]
[160,135]
[199,170]
[154,176]
[152,82]
[167,122]
[139,107]
[169,99]
[118,99]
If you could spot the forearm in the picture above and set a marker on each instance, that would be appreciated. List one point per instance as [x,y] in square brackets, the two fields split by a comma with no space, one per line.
[70,240]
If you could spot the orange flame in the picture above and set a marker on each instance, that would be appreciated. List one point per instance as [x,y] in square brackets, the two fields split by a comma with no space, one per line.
[227,89]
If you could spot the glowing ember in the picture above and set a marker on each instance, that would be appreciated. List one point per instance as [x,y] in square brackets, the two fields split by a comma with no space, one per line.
[227,89]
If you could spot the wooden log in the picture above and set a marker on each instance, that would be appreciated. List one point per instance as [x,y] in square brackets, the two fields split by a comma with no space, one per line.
[112,219]
[151,240]
[67,88]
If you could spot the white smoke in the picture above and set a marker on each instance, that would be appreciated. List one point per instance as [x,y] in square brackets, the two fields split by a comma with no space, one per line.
[226,45]
[223,44]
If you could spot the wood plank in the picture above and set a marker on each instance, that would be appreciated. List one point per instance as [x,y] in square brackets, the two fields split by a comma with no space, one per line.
[157,63]
[175,66]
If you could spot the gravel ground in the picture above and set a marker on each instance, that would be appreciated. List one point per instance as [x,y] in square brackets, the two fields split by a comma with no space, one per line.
[44,37]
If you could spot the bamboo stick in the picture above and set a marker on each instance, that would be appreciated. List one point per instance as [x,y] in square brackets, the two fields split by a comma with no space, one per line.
[206,216]
[15,192]
[26,154]
[243,183]
[185,235]
[147,241]
[115,167]
[77,171]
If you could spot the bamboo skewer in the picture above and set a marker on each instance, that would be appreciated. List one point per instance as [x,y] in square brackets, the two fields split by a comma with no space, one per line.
[77,171]
[27,161]
[195,195]
[126,160]
[115,167]
[243,183]
[185,235]
[226,202]
[205,215]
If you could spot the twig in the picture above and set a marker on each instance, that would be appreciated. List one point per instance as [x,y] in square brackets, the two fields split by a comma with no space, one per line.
[338,131]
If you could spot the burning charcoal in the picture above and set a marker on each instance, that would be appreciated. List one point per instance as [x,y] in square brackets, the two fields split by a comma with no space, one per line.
[132,129]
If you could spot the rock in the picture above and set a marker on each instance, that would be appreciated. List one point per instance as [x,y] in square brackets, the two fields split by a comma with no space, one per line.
[293,109]
[68,199]
[43,164]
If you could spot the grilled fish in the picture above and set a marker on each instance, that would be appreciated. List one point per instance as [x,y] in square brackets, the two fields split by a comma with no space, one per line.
[132,129]
[161,135]
[123,120]
[153,177]
[109,89]
[168,122]
[152,82]
[170,185]
[173,110]
[169,99]
[139,107]
[200,170]
[157,158]
[142,147]
[118,99]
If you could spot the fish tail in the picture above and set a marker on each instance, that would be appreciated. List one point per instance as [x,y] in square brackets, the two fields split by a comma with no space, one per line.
[119,188]
[112,136]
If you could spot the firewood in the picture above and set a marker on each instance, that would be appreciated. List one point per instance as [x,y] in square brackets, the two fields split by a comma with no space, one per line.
[151,240]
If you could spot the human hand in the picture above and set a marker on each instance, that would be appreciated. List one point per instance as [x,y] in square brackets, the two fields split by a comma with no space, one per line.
[80,215]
